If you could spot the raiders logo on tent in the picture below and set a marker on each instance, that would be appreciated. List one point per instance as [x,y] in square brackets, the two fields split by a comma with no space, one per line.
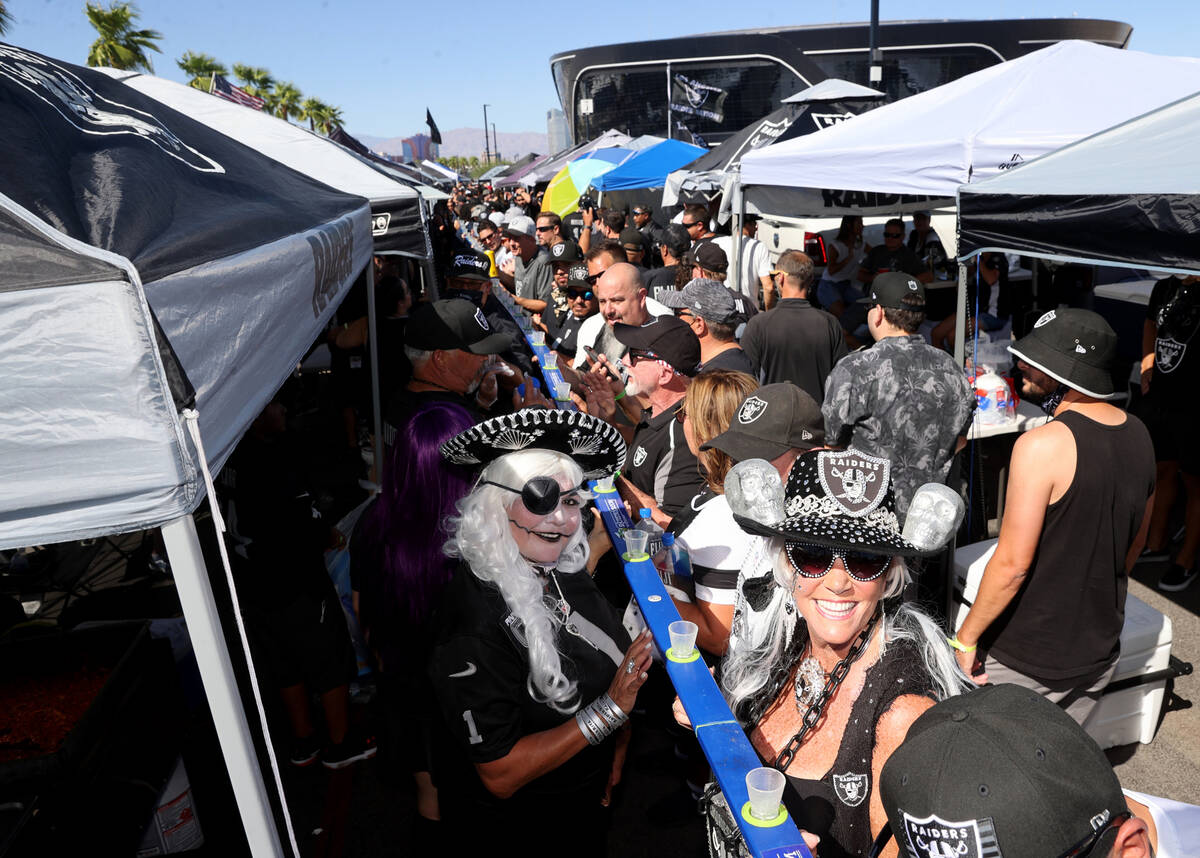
[855,480]
[90,112]
[751,410]
[851,789]
[934,837]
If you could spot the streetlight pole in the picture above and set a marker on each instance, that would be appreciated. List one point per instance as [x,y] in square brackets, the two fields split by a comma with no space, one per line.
[876,58]
[495,143]
[487,148]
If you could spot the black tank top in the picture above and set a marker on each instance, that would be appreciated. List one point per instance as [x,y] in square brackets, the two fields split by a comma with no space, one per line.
[1064,626]
[837,807]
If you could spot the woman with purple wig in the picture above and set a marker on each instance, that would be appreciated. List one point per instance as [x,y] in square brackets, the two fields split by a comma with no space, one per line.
[398,571]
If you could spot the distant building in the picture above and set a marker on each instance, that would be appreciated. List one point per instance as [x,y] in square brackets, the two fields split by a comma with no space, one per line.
[557,133]
[419,148]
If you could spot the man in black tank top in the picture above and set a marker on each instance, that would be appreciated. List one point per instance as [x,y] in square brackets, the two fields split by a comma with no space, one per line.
[1051,603]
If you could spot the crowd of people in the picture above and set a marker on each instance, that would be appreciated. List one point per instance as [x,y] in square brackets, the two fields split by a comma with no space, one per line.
[496,612]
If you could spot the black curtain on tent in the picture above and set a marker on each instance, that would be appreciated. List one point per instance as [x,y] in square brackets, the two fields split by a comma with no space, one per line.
[1150,230]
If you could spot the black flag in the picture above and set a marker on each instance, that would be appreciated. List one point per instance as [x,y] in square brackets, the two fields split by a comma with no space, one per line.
[434,135]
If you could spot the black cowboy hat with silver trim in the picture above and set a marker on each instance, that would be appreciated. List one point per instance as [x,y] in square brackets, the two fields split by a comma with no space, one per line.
[1074,347]
[839,499]
[596,446]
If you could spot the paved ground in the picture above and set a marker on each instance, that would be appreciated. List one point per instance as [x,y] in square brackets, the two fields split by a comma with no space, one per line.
[1170,765]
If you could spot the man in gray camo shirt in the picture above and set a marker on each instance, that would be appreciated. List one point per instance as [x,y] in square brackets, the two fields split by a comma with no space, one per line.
[902,399]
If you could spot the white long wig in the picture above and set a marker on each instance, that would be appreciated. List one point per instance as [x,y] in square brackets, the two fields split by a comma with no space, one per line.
[747,670]
[481,536]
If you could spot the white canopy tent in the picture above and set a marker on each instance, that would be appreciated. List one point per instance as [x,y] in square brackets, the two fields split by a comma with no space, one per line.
[1128,196]
[914,153]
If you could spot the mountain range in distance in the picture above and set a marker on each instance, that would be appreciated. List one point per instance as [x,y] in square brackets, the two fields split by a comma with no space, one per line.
[465,142]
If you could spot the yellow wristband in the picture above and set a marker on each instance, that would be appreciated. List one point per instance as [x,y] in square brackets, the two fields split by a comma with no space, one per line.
[619,396]
[960,646]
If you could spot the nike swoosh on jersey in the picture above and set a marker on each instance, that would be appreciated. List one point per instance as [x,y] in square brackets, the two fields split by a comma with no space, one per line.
[470,671]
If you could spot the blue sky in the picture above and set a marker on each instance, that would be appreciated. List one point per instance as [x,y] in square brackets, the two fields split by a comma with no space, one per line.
[382,62]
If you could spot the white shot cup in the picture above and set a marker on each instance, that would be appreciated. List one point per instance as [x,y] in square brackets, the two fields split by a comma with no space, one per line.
[765,787]
[683,638]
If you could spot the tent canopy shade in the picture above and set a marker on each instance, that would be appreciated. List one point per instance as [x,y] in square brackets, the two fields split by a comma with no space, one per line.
[834,89]
[549,168]
[397,225]
[915,152]
[649,167]
[174,265]
[1127,196]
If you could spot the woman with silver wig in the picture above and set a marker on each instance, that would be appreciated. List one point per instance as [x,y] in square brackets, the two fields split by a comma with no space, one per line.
[825,673]
[533,671]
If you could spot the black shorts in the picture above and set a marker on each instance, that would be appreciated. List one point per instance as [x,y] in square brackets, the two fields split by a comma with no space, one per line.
[305,641]
[1174,435]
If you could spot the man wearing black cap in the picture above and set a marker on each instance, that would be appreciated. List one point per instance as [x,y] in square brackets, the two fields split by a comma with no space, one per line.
[563,337]
[1051,602]
[563,255]
[1002,772]
[673,247]
[902,399]
[662,357]
[710,310]
[708,260]
[467,278]
[795,341]
[651,232]
[634,243]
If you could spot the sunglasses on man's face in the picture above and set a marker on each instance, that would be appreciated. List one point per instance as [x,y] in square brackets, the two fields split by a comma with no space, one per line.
[576,294]
[815,561]
[893,235]
[592,278]
[687,225]
[545,228]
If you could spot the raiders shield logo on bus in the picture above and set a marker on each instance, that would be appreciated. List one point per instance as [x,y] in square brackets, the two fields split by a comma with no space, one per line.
[851,789]
[934,837]
[854,479]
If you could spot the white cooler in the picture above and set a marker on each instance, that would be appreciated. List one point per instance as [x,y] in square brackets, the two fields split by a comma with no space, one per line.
[1121,717]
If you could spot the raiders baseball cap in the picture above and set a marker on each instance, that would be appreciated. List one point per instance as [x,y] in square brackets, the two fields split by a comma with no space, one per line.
[888,289]
[577,277]
[708,256]
[1004,772]
[632,239]
[565,253]
[521,225]
[1074,347]
[769,422]
[708,299]
[470,265]
[665,338]
[453,323]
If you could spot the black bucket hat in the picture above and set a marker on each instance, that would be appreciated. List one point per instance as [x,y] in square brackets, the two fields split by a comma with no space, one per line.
[839,499]
[1074,347]
[596,446]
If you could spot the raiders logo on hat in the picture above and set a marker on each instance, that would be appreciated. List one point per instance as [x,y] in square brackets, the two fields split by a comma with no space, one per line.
[934,837]
[481,319]
[1046,319]
[855,480]
[558,249]
[750,410]
[912,286]
[851,789]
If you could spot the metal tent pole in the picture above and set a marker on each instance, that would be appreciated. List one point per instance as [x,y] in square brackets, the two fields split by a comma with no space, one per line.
[373,351]
[960,318]
[739,215]
[220,686]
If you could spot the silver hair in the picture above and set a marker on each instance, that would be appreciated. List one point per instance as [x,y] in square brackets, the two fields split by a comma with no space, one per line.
[746,671]
[481,536]
[417,357]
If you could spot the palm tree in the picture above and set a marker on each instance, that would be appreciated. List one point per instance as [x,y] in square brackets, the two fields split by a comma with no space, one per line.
[314,110]
[5,18]
[255,80]
[120,46]
[284,101]
[200,69]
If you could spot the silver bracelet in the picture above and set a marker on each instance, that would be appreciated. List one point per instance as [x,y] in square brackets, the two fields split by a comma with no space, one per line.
[600,719]
[585,728]
[613,712]
[596,731]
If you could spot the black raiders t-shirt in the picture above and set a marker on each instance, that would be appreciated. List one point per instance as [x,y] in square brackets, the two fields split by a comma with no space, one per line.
[1174,310]
[660,463]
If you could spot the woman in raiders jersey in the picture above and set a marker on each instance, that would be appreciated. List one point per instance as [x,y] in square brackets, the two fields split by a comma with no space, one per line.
[532,670]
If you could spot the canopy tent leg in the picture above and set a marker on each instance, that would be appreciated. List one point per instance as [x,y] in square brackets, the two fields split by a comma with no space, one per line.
[960,318]
[735,243]
[220,686]
[373,353]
